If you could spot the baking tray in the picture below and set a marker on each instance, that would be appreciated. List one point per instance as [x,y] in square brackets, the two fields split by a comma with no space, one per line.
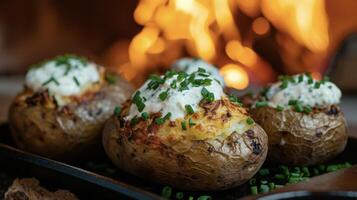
[100,179]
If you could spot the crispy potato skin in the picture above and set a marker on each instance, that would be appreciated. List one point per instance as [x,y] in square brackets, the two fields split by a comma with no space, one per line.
[64,133]
[183,161]
[303,139]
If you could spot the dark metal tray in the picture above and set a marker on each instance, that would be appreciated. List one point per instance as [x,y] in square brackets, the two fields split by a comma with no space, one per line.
[99,179]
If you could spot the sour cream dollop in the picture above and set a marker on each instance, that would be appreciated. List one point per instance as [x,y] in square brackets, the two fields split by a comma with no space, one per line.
[63,76]
[172,93]
[304,89]
[190,65]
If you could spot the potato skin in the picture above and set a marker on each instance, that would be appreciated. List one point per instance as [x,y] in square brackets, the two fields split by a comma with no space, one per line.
[303,139]
[185,163]
[64,133]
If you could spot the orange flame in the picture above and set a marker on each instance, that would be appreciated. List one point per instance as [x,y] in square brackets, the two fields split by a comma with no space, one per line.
[201,28]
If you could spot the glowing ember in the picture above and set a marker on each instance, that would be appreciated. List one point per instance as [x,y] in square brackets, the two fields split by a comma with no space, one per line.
[235,76]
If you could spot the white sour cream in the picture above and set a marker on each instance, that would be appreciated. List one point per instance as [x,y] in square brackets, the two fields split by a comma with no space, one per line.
[176,99]
[190,65]
[308,93]
[62,79]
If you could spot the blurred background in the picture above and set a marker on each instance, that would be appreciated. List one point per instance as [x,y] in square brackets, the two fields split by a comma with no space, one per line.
[250,41]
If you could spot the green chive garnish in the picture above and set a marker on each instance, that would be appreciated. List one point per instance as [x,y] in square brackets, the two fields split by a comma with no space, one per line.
[134,121]
[183,125]
[76,81]
[250,121]
[138,101]
[264,172]
[189,109]
[317,85]
[284,84]
[254,190]
[117,110]
[201,70]
[293,102]
[207,96]
[179,195]
[307,109]
[279,108]
[204,198]
[145,115]
[298,108]
[301,78]
[264,188]
[191,123]
[159,121]
[261,104]
[163,95]
[111,78]
[52,79]
[166,192]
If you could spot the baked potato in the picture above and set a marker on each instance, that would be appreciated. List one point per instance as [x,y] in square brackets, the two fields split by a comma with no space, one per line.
[57,125]
[190,135]
[304,124]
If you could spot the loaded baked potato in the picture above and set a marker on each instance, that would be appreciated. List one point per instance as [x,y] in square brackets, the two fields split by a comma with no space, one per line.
[301,116]
[63,106]
[182,130]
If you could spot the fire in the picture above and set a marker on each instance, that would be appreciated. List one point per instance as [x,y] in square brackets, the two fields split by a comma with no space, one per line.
[235,76]
[208,29]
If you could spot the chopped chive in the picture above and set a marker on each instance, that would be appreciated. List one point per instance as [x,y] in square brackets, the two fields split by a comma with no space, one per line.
[279,176]
[293,102]
[204,198]
[189,109]
[179,195]
[134,121]
[264,172]
[301,78]
[307,109]
[263,182]
[111,78]
[284,84]
[264,188]
[52,79]
[117,110]
[138,101]
[279,108]
[169,74]
[145,115]
[271,186]
[254,190]
[234,99]
[191,123]
[250,121]
[207,96]
[76,81]
[201,70]
[252,181]
[167,116]
[173,84]
[298,108]
[317,85]
[202,74]
[295,174]
[306,171]
[310,81]
[166,192]
[325,79]
[163,95]
[159,121]
[183,125]
[261,104]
